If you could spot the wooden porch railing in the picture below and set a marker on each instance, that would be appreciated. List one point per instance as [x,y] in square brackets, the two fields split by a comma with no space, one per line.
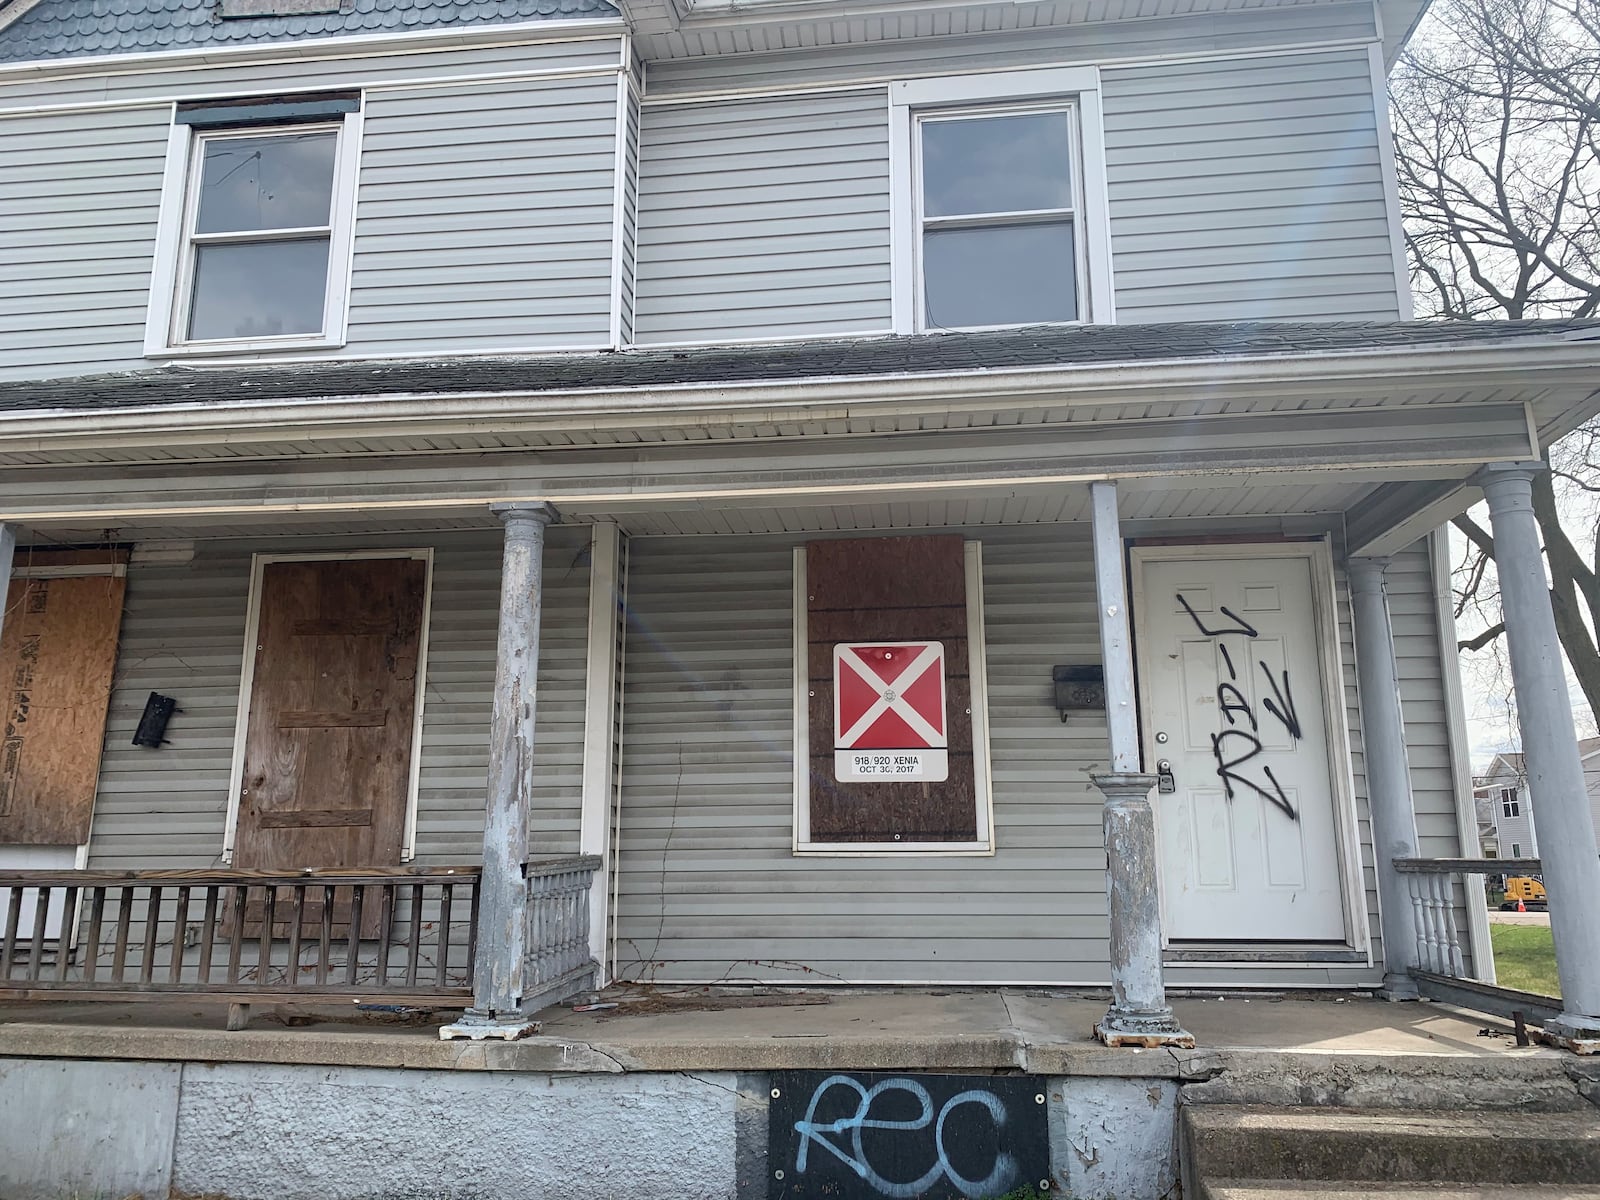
[1442,972]
[405,935]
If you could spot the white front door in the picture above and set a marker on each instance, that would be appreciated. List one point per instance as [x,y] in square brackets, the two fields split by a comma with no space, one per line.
[1232,700]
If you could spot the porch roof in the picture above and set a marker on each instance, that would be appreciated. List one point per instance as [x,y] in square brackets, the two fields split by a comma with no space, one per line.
[1036,346]
[1385,423]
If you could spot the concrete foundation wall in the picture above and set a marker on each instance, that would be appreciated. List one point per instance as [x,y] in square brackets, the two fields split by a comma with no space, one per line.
[251,1131]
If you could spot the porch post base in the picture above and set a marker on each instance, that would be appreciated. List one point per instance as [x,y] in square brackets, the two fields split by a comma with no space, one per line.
[1579,1034]
[476,1025]
[1399,988]
[1143,1029]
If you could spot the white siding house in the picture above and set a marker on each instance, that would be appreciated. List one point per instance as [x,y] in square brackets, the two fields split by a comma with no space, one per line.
[1048,344]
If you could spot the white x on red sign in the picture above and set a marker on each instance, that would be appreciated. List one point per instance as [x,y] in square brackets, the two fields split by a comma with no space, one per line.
[889,696]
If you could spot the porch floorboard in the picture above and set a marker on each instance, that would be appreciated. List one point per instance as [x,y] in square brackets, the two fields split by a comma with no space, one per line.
[685,1029]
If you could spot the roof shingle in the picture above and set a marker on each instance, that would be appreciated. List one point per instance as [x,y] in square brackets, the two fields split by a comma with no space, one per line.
[1038,346]
[69,28]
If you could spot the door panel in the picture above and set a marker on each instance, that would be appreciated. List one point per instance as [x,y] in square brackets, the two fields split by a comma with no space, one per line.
[327,762]
[1233,701]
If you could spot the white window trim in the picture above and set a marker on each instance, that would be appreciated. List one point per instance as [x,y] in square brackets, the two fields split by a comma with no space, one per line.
[247,680]
[983,791]
[1079,86]
[171,272]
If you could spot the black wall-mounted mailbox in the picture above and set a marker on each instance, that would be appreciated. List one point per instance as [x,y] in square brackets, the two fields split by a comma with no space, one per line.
[152,729]
[1079,689]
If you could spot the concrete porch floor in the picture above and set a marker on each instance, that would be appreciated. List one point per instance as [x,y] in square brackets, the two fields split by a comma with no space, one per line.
[1297,1048]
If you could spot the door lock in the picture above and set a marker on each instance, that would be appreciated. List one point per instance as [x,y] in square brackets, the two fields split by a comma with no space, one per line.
[1166,783]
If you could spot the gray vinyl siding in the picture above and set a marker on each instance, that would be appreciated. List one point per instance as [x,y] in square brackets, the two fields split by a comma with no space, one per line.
[79,195]
[485,218]
[1413,616]
[943,49]
[630,213]
[764,218]
[471,232]
[708,885]
[1248,190]
[183,635]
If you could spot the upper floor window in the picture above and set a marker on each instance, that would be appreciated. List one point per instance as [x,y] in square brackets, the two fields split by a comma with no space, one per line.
[1000,201]
[1508,802]
[255,243]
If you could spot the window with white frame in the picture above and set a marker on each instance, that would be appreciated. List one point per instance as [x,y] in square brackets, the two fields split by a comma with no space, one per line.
[1000,201]
[1508,802]
[997,200]
[255,244]
[1516,850]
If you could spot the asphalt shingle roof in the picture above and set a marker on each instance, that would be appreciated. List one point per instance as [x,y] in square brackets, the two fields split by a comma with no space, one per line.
[71,28]
[941,353]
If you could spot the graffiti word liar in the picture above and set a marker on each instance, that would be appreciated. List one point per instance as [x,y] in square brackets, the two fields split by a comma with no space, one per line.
[842,1138]
[1236,746]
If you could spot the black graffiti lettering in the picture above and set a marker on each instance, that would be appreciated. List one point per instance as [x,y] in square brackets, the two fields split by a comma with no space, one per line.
[1238,704]
[1281,703]
[1240,625]
[1229,776]
[1228,659]
[1277,795]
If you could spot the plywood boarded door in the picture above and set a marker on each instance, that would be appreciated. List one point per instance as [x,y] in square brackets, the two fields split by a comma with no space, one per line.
[57,654]
[328,747]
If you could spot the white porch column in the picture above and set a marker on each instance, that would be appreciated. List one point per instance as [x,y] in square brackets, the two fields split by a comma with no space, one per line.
[1388,770]
[498,973]
[1549,746]
[1139,1014]
[602,675]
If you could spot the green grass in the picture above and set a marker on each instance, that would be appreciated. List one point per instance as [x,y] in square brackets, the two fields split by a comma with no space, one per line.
[1525,958]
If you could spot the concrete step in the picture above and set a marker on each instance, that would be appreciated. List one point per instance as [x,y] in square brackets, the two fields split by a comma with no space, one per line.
[1330,1145]
[1271,1189]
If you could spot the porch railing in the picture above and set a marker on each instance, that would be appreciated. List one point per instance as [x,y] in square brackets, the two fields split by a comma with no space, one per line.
[1432,883]
[559,964]
[400,936]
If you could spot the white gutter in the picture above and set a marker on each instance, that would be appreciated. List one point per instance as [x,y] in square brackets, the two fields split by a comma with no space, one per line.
[816,397]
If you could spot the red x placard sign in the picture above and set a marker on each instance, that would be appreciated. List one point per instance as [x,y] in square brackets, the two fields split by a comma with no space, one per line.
[889,711]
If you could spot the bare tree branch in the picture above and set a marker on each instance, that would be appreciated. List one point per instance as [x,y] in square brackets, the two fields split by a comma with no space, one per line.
[1496,115]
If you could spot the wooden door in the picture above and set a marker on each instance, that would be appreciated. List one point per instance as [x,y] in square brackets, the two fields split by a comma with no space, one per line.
[1233,701]
[327,762]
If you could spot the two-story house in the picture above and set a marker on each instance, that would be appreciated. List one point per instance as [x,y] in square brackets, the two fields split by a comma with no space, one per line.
[1506,792]
[1510,803]
[855,475]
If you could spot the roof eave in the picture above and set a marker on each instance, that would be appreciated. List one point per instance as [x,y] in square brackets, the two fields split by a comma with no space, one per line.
[1561,360]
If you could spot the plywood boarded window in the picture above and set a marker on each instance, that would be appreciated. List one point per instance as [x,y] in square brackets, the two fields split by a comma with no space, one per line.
[58,649]
[887,623]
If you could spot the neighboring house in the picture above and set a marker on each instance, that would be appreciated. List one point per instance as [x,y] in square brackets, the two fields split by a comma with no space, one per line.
[845,356]
[1511,806]
[1508,803]
[1483,800]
